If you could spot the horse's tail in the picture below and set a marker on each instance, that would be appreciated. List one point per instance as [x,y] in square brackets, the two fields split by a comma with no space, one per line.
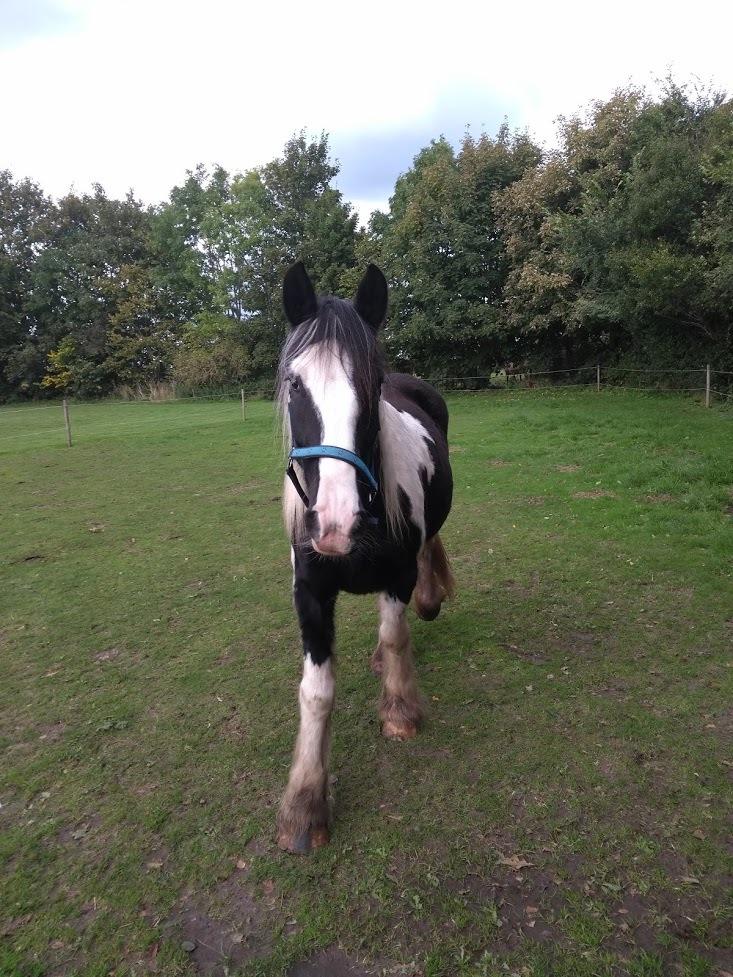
[435,580]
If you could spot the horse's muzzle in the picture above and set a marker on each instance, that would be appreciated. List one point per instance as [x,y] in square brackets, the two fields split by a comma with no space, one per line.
[333,539]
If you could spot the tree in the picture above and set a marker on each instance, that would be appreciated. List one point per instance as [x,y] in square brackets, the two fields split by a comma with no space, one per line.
[24,213]
[445,256]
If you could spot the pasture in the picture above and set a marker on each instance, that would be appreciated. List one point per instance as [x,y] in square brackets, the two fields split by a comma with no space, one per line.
[564,810]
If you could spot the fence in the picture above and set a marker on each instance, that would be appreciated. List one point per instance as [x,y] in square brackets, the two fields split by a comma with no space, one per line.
[705,381]
[700,380]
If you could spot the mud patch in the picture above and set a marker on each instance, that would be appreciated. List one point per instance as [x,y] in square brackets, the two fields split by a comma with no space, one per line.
[227,928]
[335,963]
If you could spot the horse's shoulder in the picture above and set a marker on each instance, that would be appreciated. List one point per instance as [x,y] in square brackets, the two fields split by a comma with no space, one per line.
[417,396]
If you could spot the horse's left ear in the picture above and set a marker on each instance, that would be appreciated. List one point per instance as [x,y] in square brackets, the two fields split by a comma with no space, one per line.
[371,297]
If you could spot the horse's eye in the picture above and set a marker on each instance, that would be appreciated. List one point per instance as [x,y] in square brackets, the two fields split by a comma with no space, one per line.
[295,383]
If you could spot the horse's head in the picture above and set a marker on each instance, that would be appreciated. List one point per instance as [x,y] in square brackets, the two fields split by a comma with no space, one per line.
[330,377]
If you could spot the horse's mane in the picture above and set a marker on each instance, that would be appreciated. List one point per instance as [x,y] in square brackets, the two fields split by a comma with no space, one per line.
[337,329]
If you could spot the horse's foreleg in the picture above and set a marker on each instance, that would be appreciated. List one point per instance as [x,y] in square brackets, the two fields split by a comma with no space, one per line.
[304,811]
[401,707]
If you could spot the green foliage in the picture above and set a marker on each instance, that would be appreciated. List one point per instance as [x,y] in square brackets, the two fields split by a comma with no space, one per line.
[442,249]
[212,354]
[620,242]
[617,247]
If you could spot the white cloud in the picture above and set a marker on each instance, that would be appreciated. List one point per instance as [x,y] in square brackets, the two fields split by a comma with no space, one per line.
[138,91]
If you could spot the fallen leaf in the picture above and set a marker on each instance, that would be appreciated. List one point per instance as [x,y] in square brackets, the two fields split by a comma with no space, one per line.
[268,887]
[155,864]
[690,880]
[241,864]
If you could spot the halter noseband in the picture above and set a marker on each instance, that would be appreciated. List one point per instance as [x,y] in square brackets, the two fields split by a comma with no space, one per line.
[329,451]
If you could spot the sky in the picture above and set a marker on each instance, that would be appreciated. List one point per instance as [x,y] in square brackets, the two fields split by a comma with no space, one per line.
[132,93]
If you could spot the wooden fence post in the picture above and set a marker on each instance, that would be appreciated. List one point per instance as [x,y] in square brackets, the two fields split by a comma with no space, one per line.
[707,385]
[242,393]
[598,378]
[67,422]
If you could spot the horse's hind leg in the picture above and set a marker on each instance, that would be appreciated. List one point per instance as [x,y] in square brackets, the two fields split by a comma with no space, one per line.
[434,579]
[400,708]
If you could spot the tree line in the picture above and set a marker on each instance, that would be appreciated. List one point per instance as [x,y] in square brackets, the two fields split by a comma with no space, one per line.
[615,247]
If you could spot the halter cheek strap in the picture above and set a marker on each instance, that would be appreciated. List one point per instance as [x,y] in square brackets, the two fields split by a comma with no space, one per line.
[329,451]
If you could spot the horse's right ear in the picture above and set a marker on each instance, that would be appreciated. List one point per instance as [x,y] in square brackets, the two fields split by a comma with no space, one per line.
[299,296]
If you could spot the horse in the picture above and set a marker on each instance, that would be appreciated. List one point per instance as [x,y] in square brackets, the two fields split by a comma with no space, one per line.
[368,486]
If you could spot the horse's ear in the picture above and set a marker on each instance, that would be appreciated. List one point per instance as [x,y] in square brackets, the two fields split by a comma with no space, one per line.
[299,297]
[371,297]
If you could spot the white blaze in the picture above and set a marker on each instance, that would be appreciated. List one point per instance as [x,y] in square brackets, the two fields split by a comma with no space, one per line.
[327,380]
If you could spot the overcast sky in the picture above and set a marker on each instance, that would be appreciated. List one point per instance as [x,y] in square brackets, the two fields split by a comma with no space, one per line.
[132,93]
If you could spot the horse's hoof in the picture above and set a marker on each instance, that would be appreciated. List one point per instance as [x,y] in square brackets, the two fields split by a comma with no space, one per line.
[392,730]
[304,843]
[427,612]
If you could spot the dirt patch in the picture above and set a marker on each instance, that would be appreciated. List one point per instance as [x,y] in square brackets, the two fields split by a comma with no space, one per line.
[79,833]
[595,494]
[108,655]
[335,963]
[519,902]
[497,463]
[235,728]
[659,497]
[567,469]
[535,500]
[523,589]
[52,733]
[227,928]
[536,657]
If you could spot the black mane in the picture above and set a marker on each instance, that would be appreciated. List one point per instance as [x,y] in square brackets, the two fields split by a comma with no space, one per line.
[339,327]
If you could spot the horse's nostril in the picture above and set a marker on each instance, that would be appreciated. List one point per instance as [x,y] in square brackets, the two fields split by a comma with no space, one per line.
[311,521]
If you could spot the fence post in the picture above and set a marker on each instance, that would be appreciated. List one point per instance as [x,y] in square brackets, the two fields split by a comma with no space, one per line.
[598,378]
[242,393]
[67,422]
[707,385]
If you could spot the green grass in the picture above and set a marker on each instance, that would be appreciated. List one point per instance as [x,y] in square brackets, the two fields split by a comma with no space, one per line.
[579,689]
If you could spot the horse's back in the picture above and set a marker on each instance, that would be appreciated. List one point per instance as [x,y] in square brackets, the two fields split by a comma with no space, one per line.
[419,392]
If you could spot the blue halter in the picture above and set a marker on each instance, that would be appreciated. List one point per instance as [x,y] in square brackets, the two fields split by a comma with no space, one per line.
[329,451]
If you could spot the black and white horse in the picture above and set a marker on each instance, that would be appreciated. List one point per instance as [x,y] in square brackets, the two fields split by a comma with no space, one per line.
[369,485]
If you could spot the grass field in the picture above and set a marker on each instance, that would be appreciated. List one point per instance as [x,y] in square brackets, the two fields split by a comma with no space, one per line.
[564,811]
